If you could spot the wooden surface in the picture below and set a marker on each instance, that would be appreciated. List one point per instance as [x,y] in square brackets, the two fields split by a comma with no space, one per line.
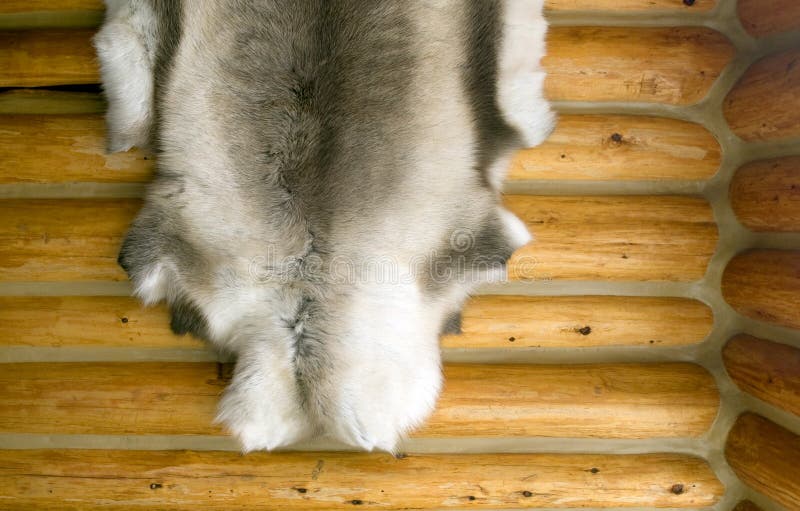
[663,65]
[765,285]
[64,148]
[623,147]
[614,238]
[653,65]
[184,480]
[599,400]
[766,457]
[765,195]
[510,322]
[768,370]
[579,321]
[584,238]
[18,6]
[767,17]
[47,57]
[762,105]
[672,6]
[63,240]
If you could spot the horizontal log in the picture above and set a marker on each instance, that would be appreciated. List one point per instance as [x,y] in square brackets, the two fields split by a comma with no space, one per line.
[614,238]
[620,147]
[767,17]
[765,285]
[765,195]
[149,398]
[763,103]
[487,322]
[67,480]
[766,456]
[653,65]
[35,58]
[64,148]
[651,6]
[663,65]
[768,370]
[20,6]
[580,321]
[584,238]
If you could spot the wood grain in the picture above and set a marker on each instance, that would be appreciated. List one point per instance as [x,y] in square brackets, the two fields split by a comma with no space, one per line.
[662,65]
[150,398]
[488,322]
[768,370]
[64,148]
[35,58]
[765,285]
[761,106]
[67,480]
[646,238]
[766,456]
[767,17]
[620,147]
[18,6]
[652,65]
[765,195]
[63,240]
[579,321]
[654,6]
[583,238]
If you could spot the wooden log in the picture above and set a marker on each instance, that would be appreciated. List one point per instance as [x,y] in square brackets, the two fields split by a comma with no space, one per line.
[35,58]
[766,194]
[653,6]
[652,65]
[584,238]
[151,398]
[64,148]
[488,322]
[20,6]
[620,147]
[766,456]
[767,17]
[761,106]
[768,370]
[63,240]
[765,285]
[67,480]
[613,238]
[579,321]
[663,65]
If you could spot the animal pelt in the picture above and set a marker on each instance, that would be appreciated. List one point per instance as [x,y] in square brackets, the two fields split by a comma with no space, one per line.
[327,191]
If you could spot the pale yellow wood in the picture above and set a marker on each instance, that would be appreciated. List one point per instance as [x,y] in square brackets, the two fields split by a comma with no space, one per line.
[620,147]
[148,398]
[765,195]
[652,65]
[78,480]
[88,321]
[579,321]
[488,322]
[768,370]
[763,105]
[33,58]
[765,456]
[614,238]
[767,17]
[63,240]
[583,238]
[610,6]
[64,148]
[765,285]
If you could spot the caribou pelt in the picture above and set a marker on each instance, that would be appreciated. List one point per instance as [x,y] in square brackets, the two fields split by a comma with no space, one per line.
[327,190]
